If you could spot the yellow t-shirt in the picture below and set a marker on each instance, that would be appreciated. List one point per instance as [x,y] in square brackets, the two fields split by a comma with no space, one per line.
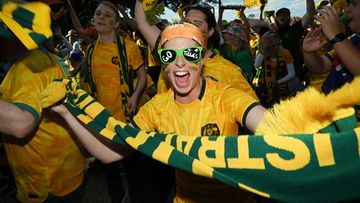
[51,161]
[151,59]
[340,5]
[216,112]
[145,97]
[106,74]
[274,66]
[218,69]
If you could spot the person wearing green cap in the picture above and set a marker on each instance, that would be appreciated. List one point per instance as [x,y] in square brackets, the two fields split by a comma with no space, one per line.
[47,163]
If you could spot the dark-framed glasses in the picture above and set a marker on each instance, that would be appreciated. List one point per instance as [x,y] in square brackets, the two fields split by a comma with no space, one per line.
[190,54]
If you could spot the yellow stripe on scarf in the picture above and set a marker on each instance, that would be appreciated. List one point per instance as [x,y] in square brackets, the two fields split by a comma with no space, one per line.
[23,26]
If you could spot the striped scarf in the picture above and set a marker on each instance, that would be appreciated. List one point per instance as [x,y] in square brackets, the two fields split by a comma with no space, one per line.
[126,84]
[320,166]
[29,22]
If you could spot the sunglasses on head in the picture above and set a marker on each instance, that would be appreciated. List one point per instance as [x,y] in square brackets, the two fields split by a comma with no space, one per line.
[190,54]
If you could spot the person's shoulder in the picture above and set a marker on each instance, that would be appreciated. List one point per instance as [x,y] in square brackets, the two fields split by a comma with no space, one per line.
[37,59]
[218,60]
[214,87]
[161,99]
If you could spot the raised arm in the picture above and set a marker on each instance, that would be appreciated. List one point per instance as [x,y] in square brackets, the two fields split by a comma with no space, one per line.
[150,32]
[244,20]
[308,18]
[74,18]
[130,21]
[331,27]
[261,12]
[68,47]
[220,17]
[313,41]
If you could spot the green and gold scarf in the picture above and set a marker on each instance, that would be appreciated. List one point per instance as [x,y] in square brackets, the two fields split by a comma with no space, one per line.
[320,166]
[29,22]
[126,84]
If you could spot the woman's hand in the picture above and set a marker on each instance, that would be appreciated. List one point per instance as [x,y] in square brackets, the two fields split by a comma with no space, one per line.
[313,40]
[132,103]
[330,24]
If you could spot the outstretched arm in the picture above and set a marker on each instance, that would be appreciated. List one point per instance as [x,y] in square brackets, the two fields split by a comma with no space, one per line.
[254,117]
[130,21]
[308,18]
[150,32]
[95,144]
[74,18]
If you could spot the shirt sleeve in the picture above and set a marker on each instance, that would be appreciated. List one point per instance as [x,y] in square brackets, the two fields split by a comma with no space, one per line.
[144,118]
[24,84]
[238,103]
[134,56]
[288,57]
[239,81]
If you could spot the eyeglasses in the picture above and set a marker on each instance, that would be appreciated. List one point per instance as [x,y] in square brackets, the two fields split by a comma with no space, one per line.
[190,54]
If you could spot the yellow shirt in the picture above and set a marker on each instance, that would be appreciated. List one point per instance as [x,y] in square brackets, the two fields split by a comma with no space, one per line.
[216,112]
[340,6]
[51,161]
[106,74]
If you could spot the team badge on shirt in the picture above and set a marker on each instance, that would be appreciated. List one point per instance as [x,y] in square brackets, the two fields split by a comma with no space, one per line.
[115,60]
[210,130]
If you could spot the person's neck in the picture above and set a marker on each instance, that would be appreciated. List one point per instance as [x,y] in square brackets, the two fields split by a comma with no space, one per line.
[191,96]
[107,38]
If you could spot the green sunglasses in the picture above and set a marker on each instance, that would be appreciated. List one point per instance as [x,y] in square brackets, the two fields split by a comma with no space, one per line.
[190,54]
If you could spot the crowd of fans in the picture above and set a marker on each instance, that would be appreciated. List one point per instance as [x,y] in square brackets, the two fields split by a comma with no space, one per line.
[120,61]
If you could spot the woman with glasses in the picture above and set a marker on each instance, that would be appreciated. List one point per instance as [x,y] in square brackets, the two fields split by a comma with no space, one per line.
[275,77]
[215,66]
[194,106]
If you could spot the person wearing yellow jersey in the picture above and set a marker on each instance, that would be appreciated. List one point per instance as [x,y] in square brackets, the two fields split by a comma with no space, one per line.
[215,67]
[110,65]
[45,157]
[275,71]
[340,5]
[195,105]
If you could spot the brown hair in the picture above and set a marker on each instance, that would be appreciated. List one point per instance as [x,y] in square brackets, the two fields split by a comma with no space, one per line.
[112,7]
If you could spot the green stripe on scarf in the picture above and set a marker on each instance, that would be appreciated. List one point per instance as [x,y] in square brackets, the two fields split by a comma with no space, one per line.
[28,21]
[321,167]
[126,84]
